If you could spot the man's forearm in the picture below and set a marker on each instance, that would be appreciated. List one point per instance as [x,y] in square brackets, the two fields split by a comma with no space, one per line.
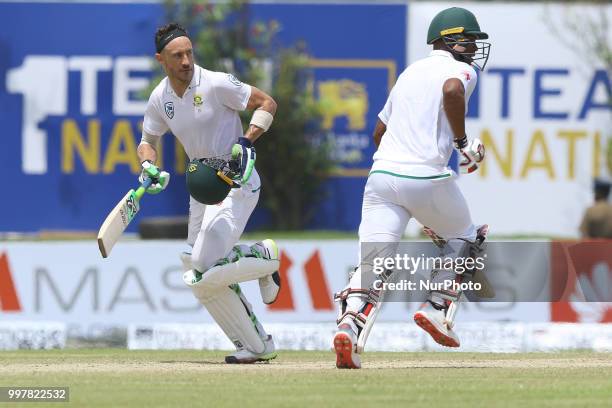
[453,99]
[269,105]
[454,106]
[259,100]
[379,131]
[256,129]
[146,152]
[253,133]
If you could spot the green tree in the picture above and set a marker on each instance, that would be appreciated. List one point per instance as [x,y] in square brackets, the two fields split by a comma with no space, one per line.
[586,32]
[292,159]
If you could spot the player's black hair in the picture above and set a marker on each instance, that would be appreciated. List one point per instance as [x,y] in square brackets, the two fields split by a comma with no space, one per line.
[167,33]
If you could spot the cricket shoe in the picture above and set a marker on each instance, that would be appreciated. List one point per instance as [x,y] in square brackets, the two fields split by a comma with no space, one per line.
[433,321]
[344,345]
[244,356]
[269,286]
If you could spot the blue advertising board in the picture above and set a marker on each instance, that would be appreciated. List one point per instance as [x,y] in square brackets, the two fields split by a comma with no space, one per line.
[72,104]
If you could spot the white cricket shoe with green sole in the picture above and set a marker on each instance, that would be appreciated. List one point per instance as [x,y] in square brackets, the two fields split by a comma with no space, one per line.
[244,356]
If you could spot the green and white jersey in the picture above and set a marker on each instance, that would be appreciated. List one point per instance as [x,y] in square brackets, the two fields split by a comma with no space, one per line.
[419,141]
[205,119]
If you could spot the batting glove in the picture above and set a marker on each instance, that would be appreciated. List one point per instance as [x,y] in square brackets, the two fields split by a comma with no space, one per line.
[470,156]
[244,152]
[160,178]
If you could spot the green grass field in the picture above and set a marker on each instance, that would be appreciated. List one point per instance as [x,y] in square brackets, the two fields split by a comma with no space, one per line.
[113,377]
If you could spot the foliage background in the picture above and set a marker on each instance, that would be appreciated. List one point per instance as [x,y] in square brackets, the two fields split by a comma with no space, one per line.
[293,160]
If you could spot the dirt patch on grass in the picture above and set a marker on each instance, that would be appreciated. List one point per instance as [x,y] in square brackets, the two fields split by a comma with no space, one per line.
[453,362]
[527,363]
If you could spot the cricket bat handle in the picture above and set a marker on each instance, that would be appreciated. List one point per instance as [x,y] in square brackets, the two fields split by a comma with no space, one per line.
[143,188]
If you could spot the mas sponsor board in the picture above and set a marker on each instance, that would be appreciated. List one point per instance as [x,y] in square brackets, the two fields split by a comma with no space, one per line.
[588,291]
[142,283]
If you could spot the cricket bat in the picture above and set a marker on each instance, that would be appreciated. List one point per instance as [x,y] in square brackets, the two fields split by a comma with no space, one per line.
[117,221]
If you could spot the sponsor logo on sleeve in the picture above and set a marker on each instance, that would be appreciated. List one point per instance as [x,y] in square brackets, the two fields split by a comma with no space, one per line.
[234,80]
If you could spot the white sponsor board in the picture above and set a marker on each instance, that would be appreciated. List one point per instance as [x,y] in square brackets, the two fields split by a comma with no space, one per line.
[486,337]
[141,282]
[570,336]
[32,335]
[543,111]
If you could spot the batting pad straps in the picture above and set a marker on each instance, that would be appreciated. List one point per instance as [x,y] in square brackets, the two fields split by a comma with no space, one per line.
[245,269]
[262,119]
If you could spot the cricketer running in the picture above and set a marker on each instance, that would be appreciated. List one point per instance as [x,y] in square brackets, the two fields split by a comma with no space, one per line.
[421,122]
[200,107]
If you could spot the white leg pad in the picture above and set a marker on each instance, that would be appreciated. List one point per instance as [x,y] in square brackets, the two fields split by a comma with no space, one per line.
[249,308]
[245,269]
[234,316]
[359,307]
[186,261]
[371,318]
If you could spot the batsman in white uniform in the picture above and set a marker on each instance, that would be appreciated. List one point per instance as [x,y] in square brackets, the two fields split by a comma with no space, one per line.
[200,108]
[423,118]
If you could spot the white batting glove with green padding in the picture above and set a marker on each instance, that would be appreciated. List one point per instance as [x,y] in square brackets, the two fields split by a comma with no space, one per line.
[244,152]
[161,179]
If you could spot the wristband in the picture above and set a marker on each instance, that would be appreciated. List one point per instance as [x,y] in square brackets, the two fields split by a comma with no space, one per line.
[262,119]
[462,142]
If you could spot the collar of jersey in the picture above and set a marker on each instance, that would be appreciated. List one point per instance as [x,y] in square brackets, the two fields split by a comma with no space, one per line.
[195,81]
[440,53]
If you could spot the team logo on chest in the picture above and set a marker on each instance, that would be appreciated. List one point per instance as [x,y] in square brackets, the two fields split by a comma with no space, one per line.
[197,101]
[169,107]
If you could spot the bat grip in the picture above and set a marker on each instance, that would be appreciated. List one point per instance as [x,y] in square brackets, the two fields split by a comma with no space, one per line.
[143,187]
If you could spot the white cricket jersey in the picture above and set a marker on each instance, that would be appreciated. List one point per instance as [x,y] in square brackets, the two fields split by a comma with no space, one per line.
[418,140]
[205,119]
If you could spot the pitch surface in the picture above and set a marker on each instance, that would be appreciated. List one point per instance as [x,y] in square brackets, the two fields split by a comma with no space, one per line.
[115,377]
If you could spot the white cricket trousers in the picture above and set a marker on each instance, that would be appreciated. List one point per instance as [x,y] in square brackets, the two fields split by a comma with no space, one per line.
[391,200]
[215,229]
